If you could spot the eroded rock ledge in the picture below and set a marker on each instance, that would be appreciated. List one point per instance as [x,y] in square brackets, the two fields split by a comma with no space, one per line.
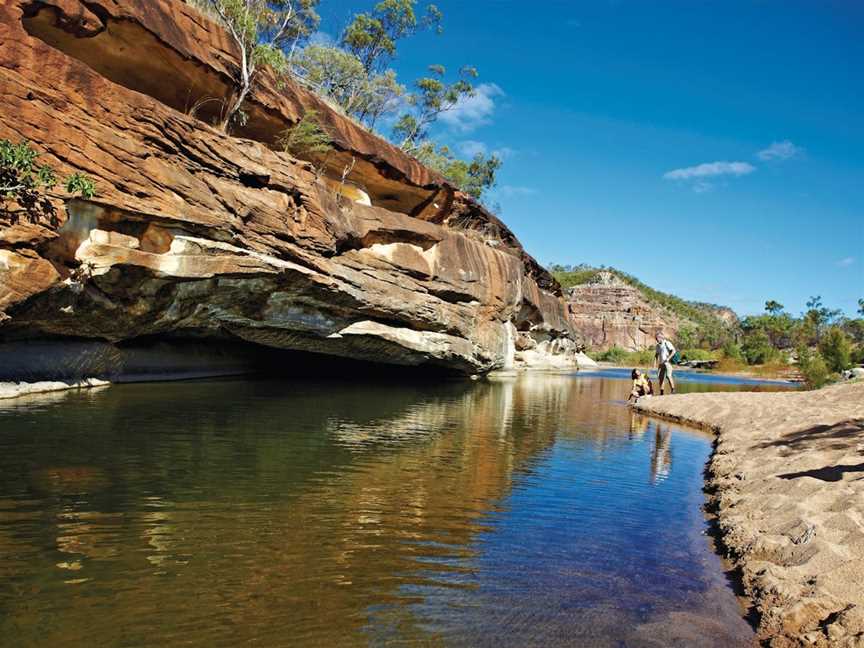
[194,232]
[786,481]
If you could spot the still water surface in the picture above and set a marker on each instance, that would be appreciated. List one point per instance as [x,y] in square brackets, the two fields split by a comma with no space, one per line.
[520,512]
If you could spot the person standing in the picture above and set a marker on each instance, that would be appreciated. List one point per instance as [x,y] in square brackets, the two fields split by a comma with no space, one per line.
[663,353]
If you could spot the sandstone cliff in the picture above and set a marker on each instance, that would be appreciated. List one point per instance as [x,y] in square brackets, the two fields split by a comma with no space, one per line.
[607,311]
[195,233]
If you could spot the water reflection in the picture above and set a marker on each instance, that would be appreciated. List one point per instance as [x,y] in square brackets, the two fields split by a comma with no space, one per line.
[661,455]
[321,514]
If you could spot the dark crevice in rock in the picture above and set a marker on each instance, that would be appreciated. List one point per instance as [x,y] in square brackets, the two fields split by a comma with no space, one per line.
[182,357]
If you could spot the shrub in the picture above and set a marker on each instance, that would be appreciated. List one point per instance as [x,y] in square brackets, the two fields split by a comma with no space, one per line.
[733,351]
[617,355]
[79,184]
[757,348]
[836,349]
[813,368]
[697,354]
[23,181]
[306,139]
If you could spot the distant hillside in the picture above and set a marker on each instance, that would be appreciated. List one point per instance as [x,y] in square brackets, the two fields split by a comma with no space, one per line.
[615,308]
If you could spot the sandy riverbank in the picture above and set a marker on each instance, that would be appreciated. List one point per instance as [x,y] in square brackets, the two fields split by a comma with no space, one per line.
[787,480]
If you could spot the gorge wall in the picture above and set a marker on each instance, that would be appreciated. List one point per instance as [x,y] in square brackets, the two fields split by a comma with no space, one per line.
[609,312]
[195,234]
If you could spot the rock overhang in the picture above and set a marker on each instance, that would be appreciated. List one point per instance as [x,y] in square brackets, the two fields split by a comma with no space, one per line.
[197,231]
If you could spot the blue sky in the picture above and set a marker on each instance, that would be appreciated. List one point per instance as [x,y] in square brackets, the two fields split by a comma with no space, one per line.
[713,149]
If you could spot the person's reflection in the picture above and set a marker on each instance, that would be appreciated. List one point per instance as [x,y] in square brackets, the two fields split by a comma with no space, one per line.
[661,455]
[638,426]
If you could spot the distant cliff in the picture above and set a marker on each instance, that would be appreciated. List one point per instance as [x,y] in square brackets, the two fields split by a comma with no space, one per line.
[610,308]
[194,233]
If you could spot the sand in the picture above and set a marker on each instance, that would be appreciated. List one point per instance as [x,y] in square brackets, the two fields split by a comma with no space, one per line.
[787,483]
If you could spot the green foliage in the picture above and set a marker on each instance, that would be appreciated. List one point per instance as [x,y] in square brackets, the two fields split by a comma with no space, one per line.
[861,306]
[733,351]
[264,30]
[79,184]
[372,37]
[773,307]
[340,76]
[836,349]
[433,97]
[816,319]
[23,181]
[813,368]
[617,355]
[698,354]
[687,337]
[473,177]
[779,327]
[306,139]
[757,348]
[854,328]
[569,276]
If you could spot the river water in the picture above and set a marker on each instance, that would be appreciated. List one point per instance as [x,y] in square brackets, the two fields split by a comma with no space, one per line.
[532,511]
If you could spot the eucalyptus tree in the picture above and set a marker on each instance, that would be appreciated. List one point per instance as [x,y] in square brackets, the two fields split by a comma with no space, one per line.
[340,76]
[266,33]
[474,177]
[372,36]
[433,98]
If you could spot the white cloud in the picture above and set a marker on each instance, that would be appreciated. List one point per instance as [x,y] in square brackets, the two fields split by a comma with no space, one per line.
[702,187]
[846,262]
[784,150]
[322,38]
[504,153]
[472,112]
[470,148]
[710,169]
[512,190]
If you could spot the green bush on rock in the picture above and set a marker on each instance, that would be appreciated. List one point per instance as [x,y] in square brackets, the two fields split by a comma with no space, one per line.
[23,181]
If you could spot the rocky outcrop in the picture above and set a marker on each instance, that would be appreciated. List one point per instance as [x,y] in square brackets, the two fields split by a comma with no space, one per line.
[608,312]
[195,233]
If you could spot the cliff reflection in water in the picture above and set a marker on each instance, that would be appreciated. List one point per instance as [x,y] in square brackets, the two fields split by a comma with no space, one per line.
[285,513]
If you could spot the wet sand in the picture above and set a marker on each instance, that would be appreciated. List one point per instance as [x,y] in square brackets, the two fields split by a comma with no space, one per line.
[787,482]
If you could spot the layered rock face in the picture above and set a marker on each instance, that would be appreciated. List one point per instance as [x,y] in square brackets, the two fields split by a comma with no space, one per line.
[195,233]
[608,312]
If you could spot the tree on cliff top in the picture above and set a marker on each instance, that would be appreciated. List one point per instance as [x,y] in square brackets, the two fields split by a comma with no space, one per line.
[372,37]
[263,31]
[340,76]
[433,98]
[473,177]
